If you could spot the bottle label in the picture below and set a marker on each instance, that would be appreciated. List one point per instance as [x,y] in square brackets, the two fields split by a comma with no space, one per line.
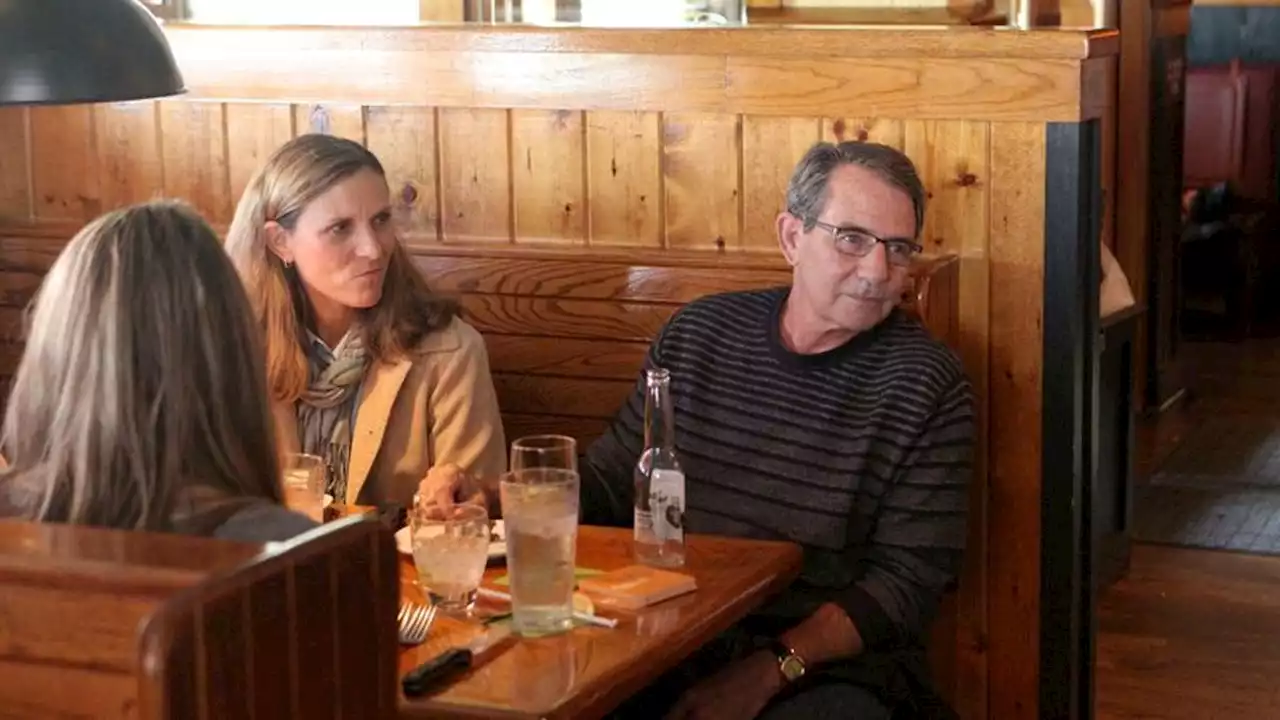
[666,503]
[643,526]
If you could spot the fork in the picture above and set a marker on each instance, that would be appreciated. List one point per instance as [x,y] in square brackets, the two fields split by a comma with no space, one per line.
[414,621]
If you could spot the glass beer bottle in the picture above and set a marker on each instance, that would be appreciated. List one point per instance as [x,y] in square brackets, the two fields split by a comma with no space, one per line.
[660,492]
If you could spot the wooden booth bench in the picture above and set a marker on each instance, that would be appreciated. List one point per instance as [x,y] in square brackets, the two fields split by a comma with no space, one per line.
[148,626]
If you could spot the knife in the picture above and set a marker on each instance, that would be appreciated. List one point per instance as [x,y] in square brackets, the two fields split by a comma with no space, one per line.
[451,662]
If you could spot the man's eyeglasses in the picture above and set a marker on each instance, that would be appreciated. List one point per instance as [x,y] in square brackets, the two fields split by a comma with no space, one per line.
[856,242]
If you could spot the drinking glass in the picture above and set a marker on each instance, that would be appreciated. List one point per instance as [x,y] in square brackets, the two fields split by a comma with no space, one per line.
[304,480]
[540,507]
[450,549]
[545,451]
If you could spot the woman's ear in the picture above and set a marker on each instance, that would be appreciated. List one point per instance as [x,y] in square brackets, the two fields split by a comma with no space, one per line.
[278,241]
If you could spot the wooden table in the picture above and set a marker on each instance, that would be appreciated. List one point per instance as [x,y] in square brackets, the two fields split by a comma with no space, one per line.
[590,671]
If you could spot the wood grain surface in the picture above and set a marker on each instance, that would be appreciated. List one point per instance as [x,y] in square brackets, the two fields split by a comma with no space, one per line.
[590,670]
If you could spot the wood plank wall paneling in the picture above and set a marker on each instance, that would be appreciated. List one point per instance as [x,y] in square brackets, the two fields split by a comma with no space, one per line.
[703,182]
[1014,376]
[15,170]
[253,132]
[640,150]
[65,180]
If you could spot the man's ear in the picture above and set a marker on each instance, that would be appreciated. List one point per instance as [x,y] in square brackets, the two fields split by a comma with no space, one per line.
[277,241]
[790,228]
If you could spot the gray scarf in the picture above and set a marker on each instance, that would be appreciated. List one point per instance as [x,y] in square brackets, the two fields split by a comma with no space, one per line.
[326,411]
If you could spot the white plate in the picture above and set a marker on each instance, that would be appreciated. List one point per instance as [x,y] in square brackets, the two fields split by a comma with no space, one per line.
[497,547]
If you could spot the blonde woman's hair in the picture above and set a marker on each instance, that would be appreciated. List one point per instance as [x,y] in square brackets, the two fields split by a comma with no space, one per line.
[296,174]
[140,400]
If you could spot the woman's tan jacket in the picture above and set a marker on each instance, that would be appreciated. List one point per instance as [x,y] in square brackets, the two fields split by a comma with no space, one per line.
[435,406]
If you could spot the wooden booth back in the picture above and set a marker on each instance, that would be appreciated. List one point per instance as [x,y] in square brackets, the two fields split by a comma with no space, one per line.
[116,624]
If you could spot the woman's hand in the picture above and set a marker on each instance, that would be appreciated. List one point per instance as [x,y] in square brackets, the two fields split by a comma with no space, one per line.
[448,484]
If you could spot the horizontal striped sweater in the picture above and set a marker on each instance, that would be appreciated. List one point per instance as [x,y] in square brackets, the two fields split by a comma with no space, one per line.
[861,454]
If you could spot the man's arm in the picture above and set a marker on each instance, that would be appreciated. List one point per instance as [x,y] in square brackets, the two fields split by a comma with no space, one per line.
[915,550]
[607,494]
[607,469]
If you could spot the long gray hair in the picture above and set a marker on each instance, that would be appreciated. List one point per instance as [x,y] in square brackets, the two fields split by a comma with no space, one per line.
[140,402]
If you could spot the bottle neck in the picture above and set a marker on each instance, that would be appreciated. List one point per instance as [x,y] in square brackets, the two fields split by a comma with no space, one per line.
[659,415]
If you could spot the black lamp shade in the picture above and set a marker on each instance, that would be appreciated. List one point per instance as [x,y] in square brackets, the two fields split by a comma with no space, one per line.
[55,52]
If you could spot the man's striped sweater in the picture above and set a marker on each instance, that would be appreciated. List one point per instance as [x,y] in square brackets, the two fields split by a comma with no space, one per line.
[861,454]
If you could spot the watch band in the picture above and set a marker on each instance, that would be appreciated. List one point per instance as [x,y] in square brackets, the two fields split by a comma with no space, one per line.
[777,647]
[790,665]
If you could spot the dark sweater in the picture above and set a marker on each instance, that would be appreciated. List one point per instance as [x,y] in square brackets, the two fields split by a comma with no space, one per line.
[861,454]
[262,522]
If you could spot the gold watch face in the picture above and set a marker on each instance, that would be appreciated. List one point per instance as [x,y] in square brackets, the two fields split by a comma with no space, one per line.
[792,668]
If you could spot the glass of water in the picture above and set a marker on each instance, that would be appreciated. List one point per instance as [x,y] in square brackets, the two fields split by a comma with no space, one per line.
[545,451]
[450,549]
[540,507]
[304,480]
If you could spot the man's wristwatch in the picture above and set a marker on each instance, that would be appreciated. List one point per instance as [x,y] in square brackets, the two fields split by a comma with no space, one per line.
[790,664]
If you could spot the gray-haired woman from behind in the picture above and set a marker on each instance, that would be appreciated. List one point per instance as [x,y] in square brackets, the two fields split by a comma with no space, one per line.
[140,401]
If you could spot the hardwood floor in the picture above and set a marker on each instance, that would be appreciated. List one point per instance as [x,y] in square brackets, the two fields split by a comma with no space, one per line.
[1191,635]
[1241,379]
[1195,634]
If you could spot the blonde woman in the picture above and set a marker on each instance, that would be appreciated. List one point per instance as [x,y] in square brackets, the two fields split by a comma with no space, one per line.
[139,402]
[365,366]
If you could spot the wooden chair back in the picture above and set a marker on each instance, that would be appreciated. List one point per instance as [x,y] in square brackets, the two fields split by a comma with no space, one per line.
[306,630]
[567,336]
[72,601]
[113,624]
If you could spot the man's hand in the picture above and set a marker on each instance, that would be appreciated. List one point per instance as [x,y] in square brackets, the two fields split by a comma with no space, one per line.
[447,484]
[737,692]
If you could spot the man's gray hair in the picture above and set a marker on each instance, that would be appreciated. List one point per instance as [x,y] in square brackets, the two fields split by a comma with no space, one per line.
[807,191]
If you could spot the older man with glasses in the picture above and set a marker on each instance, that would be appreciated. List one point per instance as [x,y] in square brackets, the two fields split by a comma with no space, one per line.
[822,414]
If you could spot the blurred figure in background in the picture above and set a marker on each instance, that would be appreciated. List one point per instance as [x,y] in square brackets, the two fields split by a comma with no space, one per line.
[1114,294]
